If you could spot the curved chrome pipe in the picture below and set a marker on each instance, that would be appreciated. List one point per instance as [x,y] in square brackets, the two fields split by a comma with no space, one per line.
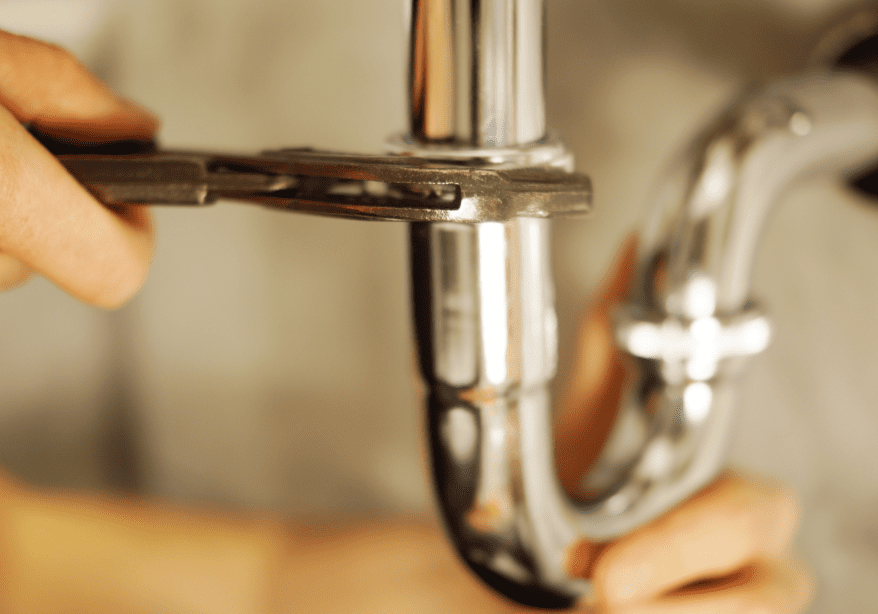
[487,333]
[484,303]
[688,319]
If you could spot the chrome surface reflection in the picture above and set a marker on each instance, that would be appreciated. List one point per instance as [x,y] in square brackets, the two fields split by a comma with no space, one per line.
[476,71]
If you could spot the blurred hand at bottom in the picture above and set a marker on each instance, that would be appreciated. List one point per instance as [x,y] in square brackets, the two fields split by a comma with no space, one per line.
[63,554]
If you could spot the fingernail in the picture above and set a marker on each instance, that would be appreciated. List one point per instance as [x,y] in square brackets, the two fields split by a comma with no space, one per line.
[139,113]
[627,583]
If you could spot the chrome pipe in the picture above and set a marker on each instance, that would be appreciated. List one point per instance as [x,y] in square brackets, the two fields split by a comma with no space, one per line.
[821,123]
[483,297]
[689,321]
[476,72]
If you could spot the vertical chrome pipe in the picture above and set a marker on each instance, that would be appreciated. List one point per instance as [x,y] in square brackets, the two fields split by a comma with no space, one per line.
[483,295]
[476,72]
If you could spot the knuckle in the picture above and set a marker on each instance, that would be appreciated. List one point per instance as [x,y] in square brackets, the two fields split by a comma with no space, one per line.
[60,60]
[13,272]
[55,81]
[65,68]
[740,520]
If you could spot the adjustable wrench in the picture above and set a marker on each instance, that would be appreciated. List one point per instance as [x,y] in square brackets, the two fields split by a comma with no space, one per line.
[394,187]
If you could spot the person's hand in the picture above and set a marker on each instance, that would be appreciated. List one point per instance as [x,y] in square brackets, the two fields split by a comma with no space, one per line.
[49,224]
[727,549]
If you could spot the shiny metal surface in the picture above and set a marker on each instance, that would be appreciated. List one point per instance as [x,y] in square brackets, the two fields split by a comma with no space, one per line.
[852,44]
[689,320]
[476,75]
[548,151]
[484,313]
[698,254]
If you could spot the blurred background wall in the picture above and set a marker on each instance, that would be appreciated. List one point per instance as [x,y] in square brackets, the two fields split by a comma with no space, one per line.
[267,362]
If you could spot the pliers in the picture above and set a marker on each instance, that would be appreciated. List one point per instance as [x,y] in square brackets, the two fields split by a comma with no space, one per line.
[394,187]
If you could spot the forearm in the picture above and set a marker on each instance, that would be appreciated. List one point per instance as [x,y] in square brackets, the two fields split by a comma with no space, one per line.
[78,554]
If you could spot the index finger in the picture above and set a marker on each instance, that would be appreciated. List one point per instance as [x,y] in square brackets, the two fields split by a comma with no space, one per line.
[44,85]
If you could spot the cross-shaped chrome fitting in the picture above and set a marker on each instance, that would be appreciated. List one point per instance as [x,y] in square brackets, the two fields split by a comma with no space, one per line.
[693,349]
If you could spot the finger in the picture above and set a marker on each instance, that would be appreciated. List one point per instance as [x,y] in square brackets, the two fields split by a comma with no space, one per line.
[13,272]
[595,388]
[52,224]
[45,85]
[720,530]
[47,220]
[768,587]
